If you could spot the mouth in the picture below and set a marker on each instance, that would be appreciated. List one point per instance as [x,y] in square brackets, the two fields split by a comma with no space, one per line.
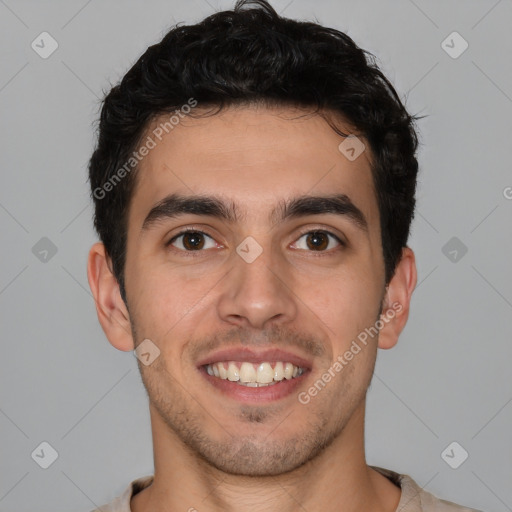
[255,377]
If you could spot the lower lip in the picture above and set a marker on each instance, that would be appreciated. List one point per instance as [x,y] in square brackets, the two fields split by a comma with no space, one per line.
[242,393]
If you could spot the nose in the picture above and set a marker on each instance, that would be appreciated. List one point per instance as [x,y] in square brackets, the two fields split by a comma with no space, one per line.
[258,293]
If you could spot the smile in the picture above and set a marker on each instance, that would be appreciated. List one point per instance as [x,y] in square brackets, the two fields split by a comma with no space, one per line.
[254,375]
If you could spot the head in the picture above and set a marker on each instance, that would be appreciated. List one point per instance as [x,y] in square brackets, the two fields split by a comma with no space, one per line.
[248,112]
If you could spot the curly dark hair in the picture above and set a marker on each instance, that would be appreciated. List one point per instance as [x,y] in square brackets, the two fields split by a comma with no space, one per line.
[251,55]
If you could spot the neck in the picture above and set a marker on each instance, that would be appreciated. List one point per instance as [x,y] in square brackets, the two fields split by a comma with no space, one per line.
[338,479]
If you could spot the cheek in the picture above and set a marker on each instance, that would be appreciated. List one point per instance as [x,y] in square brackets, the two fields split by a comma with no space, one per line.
[347,303]
[168,306]
[157,302]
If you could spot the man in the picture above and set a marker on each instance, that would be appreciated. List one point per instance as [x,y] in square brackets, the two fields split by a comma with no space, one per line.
[254,185]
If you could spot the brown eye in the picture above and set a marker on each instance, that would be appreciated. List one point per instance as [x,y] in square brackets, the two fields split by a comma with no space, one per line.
[191,241]
[317,241]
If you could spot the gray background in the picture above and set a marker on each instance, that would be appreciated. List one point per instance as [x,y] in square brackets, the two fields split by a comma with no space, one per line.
[447,380]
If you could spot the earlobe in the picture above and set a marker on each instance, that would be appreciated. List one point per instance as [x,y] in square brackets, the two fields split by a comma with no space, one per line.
[397,300]
[112,312]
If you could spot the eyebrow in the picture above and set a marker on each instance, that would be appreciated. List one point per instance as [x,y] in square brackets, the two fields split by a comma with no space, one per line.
[175,205]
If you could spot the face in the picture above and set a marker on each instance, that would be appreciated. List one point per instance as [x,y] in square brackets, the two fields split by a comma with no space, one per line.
[268,281]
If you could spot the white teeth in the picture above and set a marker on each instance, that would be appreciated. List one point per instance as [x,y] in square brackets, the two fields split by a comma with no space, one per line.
[247,373]
[279,371]
[265,373]
[251,375]
[223,373]
[256,384]
[233,374]
[288,371]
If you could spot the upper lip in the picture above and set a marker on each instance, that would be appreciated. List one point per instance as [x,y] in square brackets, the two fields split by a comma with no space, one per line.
[252,356]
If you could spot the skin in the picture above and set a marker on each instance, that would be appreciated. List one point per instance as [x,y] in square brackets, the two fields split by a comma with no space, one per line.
[212,452]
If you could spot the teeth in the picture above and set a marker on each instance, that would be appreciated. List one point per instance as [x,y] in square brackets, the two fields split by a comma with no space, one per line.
[223,373]
[247,372]
[288,371]
[279,371]
[250,375]
[233,374]
[256,384]
[265,373]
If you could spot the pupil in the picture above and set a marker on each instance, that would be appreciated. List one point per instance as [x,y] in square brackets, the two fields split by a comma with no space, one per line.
[317,241]
[193,240]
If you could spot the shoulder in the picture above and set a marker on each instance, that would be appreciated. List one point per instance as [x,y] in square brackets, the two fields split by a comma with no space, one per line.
[416,499]
[122,502]
[431,503]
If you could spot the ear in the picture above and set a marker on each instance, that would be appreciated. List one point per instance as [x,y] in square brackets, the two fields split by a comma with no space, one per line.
[112,312]
[397,300]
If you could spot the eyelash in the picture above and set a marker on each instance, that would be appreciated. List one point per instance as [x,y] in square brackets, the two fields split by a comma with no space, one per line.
[342,244]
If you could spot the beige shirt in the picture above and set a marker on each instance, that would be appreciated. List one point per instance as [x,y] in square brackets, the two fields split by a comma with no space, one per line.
[413,499]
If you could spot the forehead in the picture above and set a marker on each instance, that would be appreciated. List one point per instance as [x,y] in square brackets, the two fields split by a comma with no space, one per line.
[255,158]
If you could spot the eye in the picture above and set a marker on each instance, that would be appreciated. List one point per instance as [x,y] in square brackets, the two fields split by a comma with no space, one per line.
[317,240]
[192,240]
